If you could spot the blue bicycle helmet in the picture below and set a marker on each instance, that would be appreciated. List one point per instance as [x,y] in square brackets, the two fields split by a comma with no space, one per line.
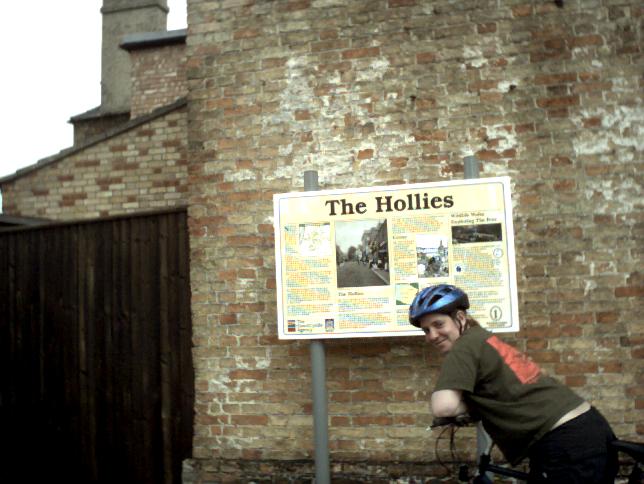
[443,298]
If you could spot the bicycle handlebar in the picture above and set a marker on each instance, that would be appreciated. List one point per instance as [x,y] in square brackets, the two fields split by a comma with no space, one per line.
[461,420]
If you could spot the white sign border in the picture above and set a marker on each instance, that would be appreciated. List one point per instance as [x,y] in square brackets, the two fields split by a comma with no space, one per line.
[509,230]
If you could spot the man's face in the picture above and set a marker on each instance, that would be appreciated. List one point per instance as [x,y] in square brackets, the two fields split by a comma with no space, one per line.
[440,330]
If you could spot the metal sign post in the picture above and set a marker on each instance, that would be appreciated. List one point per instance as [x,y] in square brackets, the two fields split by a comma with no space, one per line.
[318,381]
[483,440]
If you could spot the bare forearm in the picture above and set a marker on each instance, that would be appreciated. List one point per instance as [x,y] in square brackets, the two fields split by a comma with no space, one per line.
[448,403]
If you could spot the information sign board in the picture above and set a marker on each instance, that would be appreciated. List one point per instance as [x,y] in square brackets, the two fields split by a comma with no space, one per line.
[349,261]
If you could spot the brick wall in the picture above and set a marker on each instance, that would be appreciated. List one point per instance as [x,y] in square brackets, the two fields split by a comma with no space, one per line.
[372,92]
[89,127]
[142,166]
[158,77]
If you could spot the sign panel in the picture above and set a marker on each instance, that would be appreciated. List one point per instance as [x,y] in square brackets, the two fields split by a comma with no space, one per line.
[349,262]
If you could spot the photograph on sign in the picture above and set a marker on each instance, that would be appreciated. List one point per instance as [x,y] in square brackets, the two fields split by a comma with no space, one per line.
[350,261]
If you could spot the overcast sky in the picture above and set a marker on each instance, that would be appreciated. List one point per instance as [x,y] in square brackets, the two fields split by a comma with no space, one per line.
[51,59]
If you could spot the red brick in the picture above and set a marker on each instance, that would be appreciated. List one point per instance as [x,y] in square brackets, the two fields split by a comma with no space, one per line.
[536,344]
[488,155]
[401,3]
[365,154]
[328,34]
[545,356]
[577,368]
[340,421]
[593,86]
[629,291]
[124,165]
[560,161]
[612,366]
[371,397]
[598,170]
[340,397]
[564,185]
[243,110]
[555,44]
[592,122]
[524,10]
[228,319]
[256,307]
[74,196]
[550,55]
[344,444]
[607,317]
[249,419]
[491,97]
[482,85]
[381,420]
[575,381]
[586,40]
[248,375]
[434,135]
[302,114]
[362,52]
[246,33]
[558,101]
[486,28]
[245,241]
[426,57]
[221,102]
[524,128]
[330,45]
[398,162]
[293,6]
[637,353]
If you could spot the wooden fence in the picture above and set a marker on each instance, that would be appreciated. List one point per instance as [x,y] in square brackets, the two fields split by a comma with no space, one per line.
[96,376]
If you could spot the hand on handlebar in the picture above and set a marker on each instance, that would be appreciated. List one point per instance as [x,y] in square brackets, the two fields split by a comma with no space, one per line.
[461,420]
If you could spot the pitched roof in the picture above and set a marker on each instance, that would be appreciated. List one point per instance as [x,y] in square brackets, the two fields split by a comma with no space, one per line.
[50,160]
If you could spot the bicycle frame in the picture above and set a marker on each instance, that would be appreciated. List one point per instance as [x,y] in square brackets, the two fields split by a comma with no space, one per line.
[633,449]
[485,466]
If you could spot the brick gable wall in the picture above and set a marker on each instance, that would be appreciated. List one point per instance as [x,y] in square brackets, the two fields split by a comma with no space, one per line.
[399,91]
[141,168]
[158,78]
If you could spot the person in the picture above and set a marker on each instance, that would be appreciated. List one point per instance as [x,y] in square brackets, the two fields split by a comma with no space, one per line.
[527,413]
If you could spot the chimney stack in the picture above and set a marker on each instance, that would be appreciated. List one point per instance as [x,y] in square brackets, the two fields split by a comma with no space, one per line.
[120,18]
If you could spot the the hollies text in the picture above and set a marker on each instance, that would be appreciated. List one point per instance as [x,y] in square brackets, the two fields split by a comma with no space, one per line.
[413,201]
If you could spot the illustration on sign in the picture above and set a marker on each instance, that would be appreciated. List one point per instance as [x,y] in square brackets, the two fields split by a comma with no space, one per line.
[349,262]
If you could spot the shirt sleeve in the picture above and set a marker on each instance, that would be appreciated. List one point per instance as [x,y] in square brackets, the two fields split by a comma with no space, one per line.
[459,369]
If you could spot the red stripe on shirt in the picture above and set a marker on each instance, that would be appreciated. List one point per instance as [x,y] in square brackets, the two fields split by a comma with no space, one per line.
[526,370]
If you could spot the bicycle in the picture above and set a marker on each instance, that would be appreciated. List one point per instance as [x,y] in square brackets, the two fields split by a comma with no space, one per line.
[485,466]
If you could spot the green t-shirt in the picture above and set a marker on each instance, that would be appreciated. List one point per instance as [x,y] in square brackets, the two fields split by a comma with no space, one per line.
[517,403]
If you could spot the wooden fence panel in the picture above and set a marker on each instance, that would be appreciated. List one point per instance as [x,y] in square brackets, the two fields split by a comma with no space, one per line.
[96,375]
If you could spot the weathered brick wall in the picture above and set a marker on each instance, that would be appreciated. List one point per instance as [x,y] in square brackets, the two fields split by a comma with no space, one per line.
[143,167]
[372,92]
[90,127]
[158,77]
